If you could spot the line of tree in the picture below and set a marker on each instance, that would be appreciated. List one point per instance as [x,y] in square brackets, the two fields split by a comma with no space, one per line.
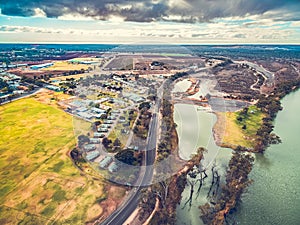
[33,81]
[168,134]
[168,192]
[237,181]
[143,121]
[271,105]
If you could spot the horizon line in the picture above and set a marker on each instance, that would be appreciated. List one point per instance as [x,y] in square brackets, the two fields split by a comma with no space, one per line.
[111,43]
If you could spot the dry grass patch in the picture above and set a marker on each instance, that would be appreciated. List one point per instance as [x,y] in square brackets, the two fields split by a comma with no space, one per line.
[63,78]
[65,66]
[231,132]
[38,182]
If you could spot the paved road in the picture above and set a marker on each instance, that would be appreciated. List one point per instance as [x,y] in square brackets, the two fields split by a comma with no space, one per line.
[23,96]
[130,204]
[269,76]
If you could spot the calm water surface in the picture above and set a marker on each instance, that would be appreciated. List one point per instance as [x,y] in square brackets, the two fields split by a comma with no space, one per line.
[194,128]
[274,197]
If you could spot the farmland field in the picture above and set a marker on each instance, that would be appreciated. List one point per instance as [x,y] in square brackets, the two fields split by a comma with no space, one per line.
[121,63]
[66,66]
[39,183]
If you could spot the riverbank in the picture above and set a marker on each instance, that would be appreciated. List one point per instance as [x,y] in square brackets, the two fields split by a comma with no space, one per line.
[235,185]
[240,165]
[250,128]
[169,193]
[273,198]
[194,128]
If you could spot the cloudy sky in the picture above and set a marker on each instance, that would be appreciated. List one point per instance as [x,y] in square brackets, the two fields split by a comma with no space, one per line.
[148,21]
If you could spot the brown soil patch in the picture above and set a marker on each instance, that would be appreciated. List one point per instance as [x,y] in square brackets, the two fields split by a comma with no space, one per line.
[115,195]
[94,212]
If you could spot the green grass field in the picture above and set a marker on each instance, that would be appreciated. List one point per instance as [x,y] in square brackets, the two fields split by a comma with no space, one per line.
[252,120]
[39,183]
[234,131]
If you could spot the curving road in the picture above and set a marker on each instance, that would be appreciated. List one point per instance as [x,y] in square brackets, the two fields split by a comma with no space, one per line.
[130,204]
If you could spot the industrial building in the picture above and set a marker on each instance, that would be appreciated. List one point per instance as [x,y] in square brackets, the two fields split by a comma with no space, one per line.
[41,66]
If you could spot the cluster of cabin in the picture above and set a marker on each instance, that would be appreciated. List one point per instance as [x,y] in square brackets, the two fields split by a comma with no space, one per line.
[92,154]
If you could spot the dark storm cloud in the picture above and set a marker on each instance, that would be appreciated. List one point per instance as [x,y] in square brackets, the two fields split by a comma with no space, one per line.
[148,10]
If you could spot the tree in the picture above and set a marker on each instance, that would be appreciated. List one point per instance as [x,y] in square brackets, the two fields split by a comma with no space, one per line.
[82,139]
[30,87]
[239,118]
[144,105]
[237,180]
[245,111]
[106,142]
[126,156]
[97,123]
[152,97]
[74,153]
[117,143]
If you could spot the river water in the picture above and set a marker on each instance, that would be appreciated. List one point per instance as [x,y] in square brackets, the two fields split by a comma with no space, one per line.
[194,128]
[274,197]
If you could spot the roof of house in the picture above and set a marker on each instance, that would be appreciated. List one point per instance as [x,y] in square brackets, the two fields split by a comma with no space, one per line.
[94,140]
[92,155]
[85,115]
[97,110]
[105,162]
[97,134]
[113,167]
[89,147]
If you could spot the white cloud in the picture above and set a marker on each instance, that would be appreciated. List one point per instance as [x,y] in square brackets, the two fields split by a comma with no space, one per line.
[116,19]
[75,17]
[295,24]
[118,30]
[39,13]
